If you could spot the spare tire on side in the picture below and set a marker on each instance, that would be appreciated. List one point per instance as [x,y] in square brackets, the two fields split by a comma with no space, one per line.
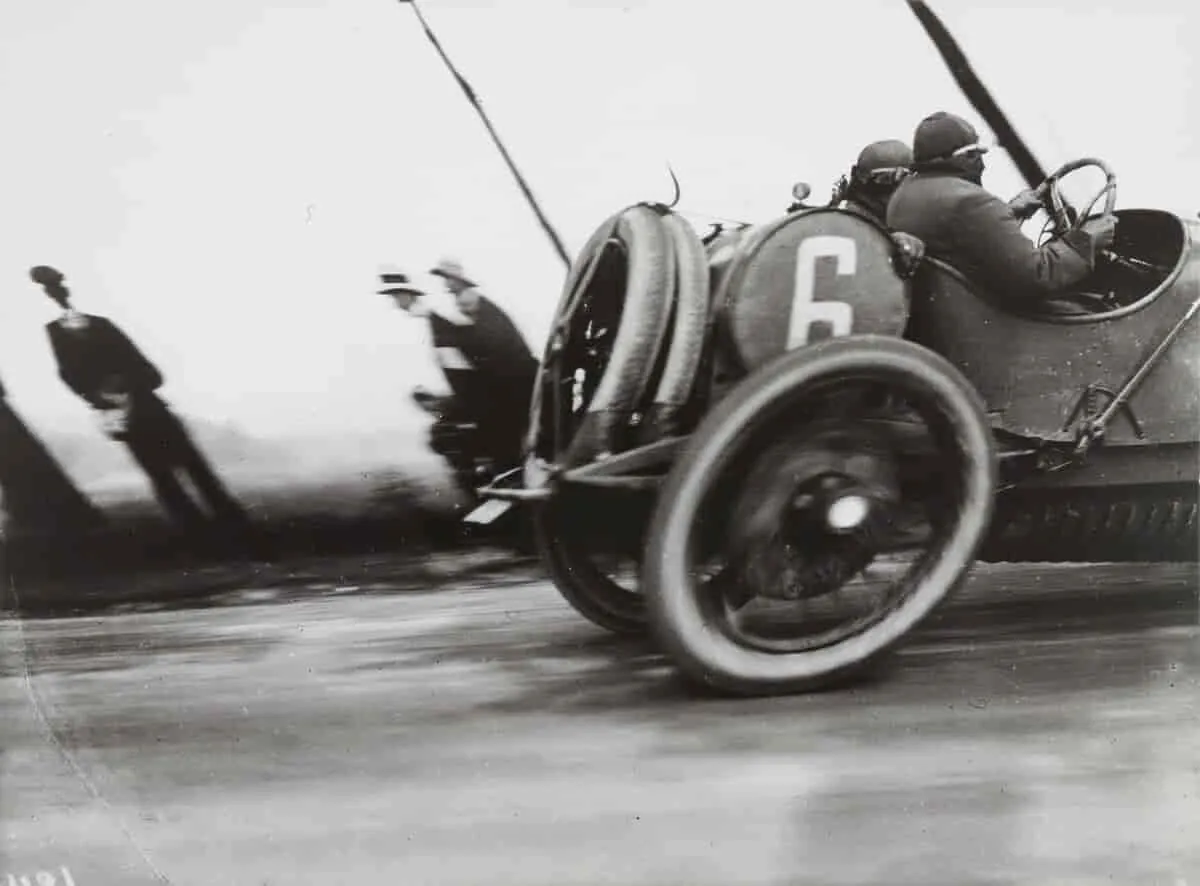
[688,332]
[611,322]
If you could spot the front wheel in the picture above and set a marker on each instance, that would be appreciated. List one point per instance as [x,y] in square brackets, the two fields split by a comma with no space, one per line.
[854,451]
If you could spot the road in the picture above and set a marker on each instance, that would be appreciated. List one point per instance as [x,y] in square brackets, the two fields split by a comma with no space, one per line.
[1043,730]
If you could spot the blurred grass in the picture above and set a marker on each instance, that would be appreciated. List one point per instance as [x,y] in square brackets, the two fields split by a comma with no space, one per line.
[394,526]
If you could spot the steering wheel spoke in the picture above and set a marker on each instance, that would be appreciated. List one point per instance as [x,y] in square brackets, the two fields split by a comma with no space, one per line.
[1064,217]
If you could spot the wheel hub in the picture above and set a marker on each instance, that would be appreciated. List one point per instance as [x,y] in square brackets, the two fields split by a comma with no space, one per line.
[803,521]
[847,513]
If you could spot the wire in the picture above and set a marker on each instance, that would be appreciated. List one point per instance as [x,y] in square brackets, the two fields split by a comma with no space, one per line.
[474,100]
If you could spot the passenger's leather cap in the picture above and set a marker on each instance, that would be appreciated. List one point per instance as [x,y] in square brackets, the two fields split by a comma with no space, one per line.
[887,154]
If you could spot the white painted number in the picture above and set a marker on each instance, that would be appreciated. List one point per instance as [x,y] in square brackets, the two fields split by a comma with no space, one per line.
[805,309]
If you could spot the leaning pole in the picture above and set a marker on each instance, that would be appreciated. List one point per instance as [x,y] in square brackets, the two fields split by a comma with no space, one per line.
[475,103]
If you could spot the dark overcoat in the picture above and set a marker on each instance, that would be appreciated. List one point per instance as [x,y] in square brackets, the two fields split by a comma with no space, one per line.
[100,358]
[978,234]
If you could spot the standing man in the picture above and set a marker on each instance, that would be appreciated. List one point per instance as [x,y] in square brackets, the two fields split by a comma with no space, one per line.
[103,367]
[504,370]
[487,365]
[452,434]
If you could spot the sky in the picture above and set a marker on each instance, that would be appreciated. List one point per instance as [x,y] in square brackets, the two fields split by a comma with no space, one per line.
[224,179]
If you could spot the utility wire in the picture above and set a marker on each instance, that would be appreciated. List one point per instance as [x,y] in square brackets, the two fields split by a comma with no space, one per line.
[474,100]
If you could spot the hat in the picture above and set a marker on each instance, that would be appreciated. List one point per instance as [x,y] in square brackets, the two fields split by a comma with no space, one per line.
[887,154]
[451,269]
[941,134]
[45,275]
[395,282]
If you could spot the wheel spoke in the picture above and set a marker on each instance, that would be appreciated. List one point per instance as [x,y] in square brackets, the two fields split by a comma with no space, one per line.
[812,513]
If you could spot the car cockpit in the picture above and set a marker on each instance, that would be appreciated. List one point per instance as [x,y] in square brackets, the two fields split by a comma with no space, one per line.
[1147,253]
[1149,250]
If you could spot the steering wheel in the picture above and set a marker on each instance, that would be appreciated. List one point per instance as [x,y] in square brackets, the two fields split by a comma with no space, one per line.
[1063,217]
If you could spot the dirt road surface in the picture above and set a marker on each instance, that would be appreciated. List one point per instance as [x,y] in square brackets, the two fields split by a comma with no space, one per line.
[1045,729]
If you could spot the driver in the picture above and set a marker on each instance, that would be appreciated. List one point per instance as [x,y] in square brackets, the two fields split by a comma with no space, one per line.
[873,178]
[945,205]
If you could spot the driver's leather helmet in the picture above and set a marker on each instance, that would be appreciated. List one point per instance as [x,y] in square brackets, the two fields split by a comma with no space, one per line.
[945,142]
[939,135]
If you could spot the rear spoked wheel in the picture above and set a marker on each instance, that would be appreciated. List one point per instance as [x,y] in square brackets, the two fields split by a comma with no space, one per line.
[591,546]
[605,352]
[818,515]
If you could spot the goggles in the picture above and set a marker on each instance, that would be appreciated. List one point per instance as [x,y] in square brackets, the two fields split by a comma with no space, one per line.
[975,149]
[884,176]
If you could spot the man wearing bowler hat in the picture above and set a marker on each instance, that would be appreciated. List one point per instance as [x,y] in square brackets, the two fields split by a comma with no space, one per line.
[945,204]
[413,300]
[484,357]
[103,367]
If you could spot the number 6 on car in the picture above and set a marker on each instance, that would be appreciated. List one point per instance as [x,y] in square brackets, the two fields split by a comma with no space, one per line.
[809,276]
[806,310]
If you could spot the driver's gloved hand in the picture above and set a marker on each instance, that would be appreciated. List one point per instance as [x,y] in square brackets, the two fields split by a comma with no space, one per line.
[1102,229]
[1025,204]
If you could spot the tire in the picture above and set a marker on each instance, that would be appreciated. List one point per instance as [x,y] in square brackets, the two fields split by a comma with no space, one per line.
[688,331]
[677,613]
[588,590]
[623,387]
[580,267]
[640,334]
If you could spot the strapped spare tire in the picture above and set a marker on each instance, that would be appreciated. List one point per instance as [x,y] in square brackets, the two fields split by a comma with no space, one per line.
[689,321]
[604,345]
[632,317]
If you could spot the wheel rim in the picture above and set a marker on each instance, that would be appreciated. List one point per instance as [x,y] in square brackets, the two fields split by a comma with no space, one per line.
[822,620]
[596,573]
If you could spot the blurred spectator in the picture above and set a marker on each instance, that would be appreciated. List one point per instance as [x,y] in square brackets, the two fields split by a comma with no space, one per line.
[102,366]
[36,495]
[503,370]
[486,362]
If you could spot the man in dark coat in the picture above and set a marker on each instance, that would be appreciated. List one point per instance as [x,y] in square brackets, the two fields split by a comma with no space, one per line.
[945,205]
[873,178]
[104,368]
[504,371]
[483,356]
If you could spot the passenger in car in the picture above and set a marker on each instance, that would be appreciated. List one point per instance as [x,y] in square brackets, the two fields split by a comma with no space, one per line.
[873,178]
[945,204]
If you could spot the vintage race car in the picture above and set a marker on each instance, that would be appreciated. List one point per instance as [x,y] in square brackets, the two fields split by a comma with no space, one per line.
[803,433]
